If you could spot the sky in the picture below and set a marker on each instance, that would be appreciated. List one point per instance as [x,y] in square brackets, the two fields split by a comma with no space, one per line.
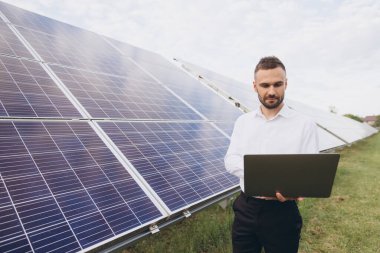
[331,48]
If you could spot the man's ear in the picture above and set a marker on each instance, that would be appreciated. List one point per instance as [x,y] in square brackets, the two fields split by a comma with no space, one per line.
[286,83]
[254,86]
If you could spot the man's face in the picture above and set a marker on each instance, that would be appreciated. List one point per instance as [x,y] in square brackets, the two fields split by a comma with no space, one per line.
[270,85]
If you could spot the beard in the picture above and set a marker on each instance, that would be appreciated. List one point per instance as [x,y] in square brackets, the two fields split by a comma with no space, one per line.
[271,106]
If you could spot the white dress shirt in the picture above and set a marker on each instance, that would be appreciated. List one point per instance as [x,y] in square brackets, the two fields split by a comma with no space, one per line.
[287,133]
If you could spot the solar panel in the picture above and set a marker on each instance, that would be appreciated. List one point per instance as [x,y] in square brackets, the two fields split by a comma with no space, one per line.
[28,91]
[195,94]
[72,50]
[62,189]
[57,42]
[345,128]
[242,92]
[68,46]
[328,141]
[182,162]
[10,44]
[110,96]
[61,48]
[35,21]
[65,45]
[140,55]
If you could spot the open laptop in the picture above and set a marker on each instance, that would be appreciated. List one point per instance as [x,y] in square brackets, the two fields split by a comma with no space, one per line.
[293,175]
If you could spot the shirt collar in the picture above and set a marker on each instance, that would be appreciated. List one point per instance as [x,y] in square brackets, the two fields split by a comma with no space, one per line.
[285,112]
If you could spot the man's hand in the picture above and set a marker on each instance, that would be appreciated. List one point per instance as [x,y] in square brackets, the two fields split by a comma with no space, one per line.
[283,199]
[280,198]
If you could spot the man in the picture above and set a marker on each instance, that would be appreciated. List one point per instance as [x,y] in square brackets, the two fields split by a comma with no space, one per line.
[274,128]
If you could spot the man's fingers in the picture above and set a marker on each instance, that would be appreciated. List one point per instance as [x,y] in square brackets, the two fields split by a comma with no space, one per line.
[280,197]
[283,199]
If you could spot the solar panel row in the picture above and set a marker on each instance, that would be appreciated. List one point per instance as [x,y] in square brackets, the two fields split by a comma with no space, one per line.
[74,185]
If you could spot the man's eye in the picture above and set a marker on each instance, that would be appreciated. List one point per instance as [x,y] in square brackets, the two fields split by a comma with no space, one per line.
[277,85]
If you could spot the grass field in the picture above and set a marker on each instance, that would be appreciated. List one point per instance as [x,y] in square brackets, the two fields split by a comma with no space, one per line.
[349,221]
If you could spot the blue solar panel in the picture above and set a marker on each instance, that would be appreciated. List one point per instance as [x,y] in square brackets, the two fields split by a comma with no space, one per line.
[204,100]
[107,96]
[63,44]
[10,44]
[73,50]
[68,46]
[63,189]
[182,162]
[57,42]
[28,91]
[196,94]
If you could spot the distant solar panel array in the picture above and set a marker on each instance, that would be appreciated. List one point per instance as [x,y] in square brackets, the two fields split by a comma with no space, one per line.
[334,130]
[99,139]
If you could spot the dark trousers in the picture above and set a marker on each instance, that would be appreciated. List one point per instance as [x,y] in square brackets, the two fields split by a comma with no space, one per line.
[271,224]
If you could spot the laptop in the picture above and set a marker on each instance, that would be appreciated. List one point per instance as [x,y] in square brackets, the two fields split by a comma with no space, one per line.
[293,175]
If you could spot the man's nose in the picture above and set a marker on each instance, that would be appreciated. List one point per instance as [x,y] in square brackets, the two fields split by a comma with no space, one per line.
[271,90]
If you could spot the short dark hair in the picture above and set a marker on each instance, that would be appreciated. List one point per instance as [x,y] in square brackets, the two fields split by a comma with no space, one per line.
[269,62]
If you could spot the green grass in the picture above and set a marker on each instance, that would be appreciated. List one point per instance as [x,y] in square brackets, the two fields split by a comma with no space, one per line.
[348,221]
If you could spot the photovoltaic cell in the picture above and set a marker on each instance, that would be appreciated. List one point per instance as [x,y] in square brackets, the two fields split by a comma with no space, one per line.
[28,91]
[62,189]
[182,162]
[10,44]
[12,236]
[108,96]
